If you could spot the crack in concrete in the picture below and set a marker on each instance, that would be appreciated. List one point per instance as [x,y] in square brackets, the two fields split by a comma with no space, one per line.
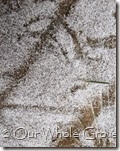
[21,72]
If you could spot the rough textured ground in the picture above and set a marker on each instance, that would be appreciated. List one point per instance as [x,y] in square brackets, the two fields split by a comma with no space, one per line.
[57,69]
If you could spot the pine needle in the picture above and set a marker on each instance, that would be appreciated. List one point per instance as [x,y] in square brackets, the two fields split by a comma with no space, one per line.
[101,82]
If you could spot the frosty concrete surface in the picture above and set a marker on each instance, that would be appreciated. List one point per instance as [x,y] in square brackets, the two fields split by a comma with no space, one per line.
[55,57]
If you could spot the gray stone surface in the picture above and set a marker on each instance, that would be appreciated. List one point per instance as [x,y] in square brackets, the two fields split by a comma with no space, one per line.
[57,70]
